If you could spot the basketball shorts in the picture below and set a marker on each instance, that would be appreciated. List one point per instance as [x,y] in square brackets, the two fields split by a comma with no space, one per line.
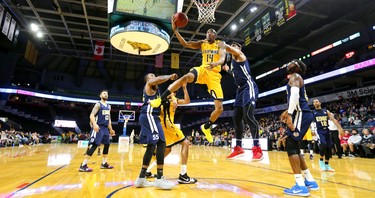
[211,79]
[244,96]
[151,130]
[302,121]
[100,137]
[325,137]
[173,135]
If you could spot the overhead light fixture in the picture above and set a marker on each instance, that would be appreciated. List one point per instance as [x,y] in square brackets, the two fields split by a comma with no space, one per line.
[253,9]
[39,34]
[373,27]
[241,20]
[234,27]
[34,27]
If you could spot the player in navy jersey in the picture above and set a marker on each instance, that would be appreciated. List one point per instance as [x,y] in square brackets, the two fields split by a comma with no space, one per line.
[321,122]
[298,118]
[245,102]
[152,133]
[100,119]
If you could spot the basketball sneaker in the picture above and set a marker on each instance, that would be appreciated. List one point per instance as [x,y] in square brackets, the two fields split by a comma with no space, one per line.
[312,185]
[106,166]
[207,133]
[142,182]
[311,156]
[84,168]
[297,191]
[150,175]
[185,179]
[257,153]
[155,102]
[237,151]
[162,183]
[322,165]
[329,168]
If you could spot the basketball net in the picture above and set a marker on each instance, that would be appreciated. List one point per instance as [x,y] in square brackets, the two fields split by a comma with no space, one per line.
[206,9]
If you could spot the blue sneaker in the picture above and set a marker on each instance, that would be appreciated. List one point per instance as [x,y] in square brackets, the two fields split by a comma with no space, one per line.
[312,185]
[297,191]
[322,165]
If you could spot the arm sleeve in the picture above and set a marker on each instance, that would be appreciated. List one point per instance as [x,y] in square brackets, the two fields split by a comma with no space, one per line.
[293,100]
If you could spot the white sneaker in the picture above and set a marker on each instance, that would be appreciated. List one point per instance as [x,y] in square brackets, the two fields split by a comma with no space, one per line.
[142,182]
[163,184]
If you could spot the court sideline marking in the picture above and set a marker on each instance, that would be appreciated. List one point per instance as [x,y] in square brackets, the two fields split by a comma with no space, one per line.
[36,181]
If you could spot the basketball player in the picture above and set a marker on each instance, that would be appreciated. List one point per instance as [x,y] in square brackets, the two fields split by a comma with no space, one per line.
[307,141]
[321,120]
[208,73]
[298,118]
[244,104]
[152,133]
[173,135]
[100,118]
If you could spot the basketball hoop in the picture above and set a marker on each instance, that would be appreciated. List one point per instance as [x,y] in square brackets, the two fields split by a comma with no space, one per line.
[206,9]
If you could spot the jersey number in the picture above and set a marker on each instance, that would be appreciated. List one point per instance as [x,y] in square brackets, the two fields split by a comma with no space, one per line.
[155,137]
[210,58]
[324,123]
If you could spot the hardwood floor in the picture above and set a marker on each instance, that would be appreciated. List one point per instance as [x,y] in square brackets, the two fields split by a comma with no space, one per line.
[52,171]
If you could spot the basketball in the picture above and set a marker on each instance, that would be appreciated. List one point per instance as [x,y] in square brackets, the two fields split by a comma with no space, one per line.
[181,19]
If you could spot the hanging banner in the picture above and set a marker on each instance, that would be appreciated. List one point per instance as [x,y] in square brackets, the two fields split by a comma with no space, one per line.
[258,31]
[279,13]
[5,29]
[159,61]
[290,10]
[175,61]
[266,21]
[247,36]
[12,29]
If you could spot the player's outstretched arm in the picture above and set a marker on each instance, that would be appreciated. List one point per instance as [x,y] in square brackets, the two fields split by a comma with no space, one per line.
[222,53]
[189,44]
[186,99]
[234,51]
[332,117]
[161,79]
[92,116]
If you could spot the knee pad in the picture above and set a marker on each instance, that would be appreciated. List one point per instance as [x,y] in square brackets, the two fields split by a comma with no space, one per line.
[292,147]
[105,149]
[92,149]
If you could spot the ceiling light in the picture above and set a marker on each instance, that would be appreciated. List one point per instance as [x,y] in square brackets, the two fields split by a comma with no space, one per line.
[34,27]
[234,27]
[241,20]
[39,35]
[373,27]
[253,9]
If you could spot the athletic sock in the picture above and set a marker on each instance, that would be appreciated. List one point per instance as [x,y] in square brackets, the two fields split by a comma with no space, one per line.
[239,142]
[299,179]
[311,152]
[85,161]
[308,175]
[104,160]
[208,124]
[326,162]
[183,169]
[160,173]
[301,150]
[143,173]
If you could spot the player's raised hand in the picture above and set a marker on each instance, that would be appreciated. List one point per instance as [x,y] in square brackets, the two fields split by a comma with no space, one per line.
[286,118]
[174,76]
[173,21]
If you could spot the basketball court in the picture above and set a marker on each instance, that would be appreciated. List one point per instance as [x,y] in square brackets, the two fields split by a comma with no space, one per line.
[52,171]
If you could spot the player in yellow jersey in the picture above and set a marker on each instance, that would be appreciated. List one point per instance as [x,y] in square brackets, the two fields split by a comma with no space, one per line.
[207,73]
[173,135]
[307,141]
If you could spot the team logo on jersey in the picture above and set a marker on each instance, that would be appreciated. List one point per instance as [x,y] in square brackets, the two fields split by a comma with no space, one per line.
[295,134]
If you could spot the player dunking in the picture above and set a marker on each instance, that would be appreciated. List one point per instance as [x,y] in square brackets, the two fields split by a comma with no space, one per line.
[173,135]
[321,120]
[244,104]
[298,118]
[100,118]
[152,133]
[208,73]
